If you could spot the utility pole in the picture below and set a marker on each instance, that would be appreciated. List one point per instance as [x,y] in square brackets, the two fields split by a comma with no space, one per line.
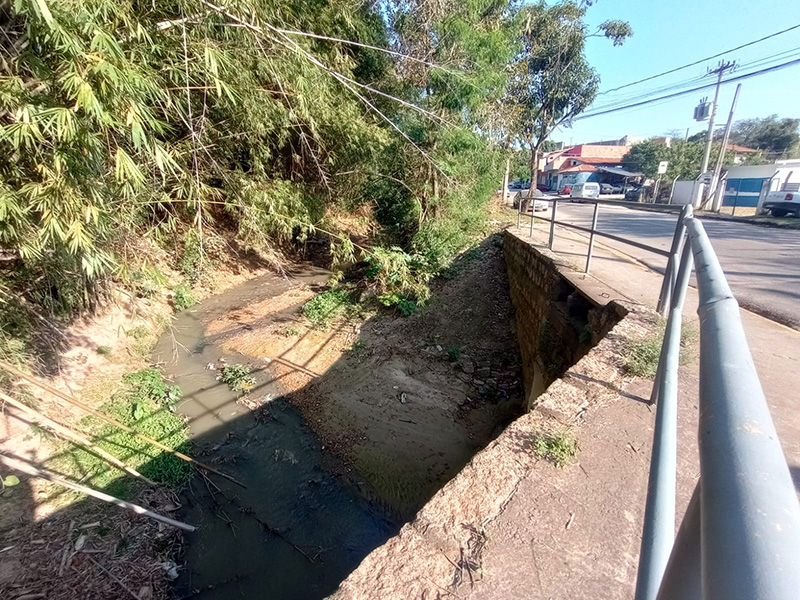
[717,203]
[720,71]
[505,180]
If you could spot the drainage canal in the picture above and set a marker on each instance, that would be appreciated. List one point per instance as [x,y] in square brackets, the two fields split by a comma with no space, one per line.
[349,431]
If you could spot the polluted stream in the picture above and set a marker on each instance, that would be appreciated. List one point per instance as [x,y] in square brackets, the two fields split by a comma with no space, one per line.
[303,522]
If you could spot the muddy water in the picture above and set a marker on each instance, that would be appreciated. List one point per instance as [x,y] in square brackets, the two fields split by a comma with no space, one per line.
[297,529]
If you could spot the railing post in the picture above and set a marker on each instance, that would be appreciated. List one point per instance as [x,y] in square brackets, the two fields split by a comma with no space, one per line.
[519,213]
[591,236]
[553,223]
[533,210]
[659,516]
[668,283]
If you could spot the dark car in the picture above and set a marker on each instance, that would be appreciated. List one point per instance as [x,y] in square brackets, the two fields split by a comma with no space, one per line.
[636,194]
[606,188]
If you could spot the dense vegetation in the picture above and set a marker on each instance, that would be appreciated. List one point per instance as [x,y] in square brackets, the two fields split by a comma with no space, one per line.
[192,125]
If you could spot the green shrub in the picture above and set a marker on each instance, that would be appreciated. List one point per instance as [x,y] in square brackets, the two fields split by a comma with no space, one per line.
[238,378]
[183,298]
[407,307]
[325,306]
[453,354]
[395,276]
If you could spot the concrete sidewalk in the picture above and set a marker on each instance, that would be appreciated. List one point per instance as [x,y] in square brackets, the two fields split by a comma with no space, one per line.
[576,532]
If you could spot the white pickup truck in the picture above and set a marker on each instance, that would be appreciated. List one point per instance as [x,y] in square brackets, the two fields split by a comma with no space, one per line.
[783,202]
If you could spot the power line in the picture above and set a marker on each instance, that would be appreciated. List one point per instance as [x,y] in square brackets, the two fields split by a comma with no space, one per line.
[763,61]
[697,62]
[689,91]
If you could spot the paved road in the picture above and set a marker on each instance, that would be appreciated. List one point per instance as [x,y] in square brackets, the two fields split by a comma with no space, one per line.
[762,263]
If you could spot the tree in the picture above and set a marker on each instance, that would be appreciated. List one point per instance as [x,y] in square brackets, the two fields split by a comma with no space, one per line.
[550,81]
[775,136]
[684,158]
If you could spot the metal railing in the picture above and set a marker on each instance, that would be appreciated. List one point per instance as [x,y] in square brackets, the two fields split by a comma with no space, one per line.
[593,231]
[740,536]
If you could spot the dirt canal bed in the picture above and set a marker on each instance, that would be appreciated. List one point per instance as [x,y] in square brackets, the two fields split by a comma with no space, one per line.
[347,431]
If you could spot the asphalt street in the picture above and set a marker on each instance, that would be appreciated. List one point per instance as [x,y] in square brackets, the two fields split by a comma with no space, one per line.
[762,263]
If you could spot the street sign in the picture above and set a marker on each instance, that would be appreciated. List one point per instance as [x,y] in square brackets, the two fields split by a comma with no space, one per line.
[662,167]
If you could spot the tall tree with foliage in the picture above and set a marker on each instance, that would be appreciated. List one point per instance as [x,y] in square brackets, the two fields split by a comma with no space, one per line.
[775,136]
[550,80]
[123,121]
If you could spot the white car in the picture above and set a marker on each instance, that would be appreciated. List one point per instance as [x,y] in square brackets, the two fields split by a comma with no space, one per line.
[783,202]
[538,202]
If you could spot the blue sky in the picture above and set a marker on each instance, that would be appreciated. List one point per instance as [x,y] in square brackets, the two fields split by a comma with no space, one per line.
[670,33]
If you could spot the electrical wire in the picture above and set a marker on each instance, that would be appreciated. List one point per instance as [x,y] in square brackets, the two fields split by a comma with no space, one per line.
[689,91]
[763,61]
[697,62]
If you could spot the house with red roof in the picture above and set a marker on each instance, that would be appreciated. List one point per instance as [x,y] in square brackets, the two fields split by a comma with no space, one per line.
[582,163]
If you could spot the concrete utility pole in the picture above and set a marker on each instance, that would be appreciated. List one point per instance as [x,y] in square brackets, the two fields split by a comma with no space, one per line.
[715,180]
[720,71]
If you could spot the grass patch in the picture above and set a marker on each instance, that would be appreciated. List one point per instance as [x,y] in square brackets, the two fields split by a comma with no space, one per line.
[103,350]
[559,448]
[325,306]
[238,377]
[145,404]
[640,357]
[142,340]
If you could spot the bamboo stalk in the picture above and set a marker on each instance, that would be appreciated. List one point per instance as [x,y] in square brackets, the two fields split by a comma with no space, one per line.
[23,467]
[70,400]
[74,436]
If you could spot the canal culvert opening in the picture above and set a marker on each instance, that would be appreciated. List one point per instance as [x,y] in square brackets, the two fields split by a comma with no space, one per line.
[347,432]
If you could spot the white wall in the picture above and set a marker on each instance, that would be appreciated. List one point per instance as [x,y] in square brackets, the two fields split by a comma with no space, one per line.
[683,192]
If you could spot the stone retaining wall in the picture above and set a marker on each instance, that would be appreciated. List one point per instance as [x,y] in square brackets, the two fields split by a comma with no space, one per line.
[559,317]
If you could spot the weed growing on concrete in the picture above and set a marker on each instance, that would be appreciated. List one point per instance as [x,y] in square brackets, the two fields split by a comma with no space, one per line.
[291,332]
[559,448]
[238,377]
[640,357]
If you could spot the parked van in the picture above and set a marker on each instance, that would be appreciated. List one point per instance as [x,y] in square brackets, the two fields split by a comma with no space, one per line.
[589,189]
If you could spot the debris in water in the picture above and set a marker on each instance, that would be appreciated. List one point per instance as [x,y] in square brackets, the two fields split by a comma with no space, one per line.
[171,570]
